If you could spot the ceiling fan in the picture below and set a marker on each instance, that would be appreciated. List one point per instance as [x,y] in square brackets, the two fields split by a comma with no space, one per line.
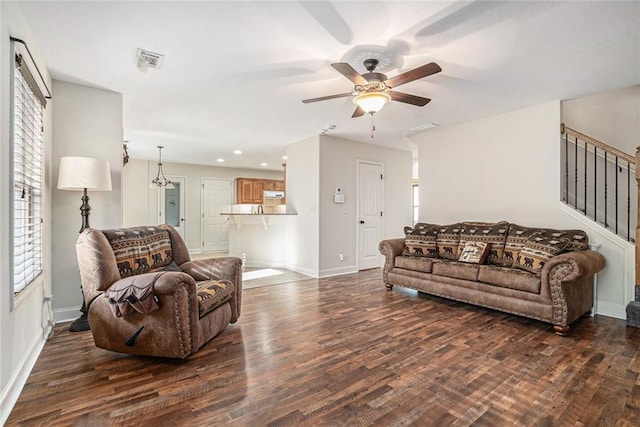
[373,90]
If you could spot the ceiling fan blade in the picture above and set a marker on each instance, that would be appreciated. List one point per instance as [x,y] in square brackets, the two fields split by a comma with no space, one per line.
[324,98]
[349,72]
[415,74]
[359,112]
[409,99]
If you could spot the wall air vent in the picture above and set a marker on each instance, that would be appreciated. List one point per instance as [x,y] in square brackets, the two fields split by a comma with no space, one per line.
[146,60]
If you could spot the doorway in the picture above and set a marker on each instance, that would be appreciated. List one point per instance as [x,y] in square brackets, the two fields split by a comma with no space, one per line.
[369,213]
[216,198]
[171,209]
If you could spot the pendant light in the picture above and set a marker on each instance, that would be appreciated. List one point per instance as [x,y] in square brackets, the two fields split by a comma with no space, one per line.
[160,180]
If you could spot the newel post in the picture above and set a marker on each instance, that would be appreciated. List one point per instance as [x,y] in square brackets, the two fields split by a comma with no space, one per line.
[633,309]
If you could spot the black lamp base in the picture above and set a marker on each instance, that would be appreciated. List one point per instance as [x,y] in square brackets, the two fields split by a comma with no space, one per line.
[81,324]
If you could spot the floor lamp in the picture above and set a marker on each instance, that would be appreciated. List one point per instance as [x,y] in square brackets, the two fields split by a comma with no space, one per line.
[82,174]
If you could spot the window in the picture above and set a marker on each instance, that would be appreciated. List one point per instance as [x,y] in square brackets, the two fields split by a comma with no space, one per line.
[415,203]
[27,165]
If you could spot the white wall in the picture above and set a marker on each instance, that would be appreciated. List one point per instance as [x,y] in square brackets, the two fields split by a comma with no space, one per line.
[321,229]
[338,222]
[612,117]
[507,167]
[140,203]
[303,174]
[23,330]
[86,122]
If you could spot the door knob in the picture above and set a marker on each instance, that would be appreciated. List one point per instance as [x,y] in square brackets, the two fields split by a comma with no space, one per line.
[361,222]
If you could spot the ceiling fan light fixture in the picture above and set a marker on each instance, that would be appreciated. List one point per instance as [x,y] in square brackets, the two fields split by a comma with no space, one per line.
[371,102]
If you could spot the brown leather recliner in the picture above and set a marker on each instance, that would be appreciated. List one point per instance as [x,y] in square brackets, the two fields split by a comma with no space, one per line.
[192,301]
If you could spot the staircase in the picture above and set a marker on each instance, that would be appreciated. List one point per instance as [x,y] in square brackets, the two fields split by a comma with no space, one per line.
[599,181]
[602,182]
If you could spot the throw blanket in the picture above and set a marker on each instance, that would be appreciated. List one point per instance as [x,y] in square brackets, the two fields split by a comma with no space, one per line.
[133,295]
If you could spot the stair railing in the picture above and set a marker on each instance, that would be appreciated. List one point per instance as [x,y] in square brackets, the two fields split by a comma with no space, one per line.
[590,169]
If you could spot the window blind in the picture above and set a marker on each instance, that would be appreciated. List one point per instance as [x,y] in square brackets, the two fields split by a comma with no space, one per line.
[27,178]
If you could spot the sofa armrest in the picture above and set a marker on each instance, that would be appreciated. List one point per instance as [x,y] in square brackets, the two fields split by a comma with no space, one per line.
[569,280]
[579,263]
[390,248]
[223,268]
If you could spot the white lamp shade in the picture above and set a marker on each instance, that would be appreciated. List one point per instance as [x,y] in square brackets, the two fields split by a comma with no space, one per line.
[78,173]
[371,102]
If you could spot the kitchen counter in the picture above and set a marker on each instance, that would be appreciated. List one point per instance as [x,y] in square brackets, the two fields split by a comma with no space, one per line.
[258,214]
[242,218]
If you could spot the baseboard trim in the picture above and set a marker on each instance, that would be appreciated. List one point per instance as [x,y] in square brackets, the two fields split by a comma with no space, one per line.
[338,271]
[16,383]
[610,309]
[68,314]
[305,271]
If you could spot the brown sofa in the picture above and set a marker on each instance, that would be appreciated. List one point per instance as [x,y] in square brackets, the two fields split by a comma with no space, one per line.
[538,273]
[145,296]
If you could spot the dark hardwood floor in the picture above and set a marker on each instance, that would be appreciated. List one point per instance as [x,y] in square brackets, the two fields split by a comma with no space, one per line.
[343,351]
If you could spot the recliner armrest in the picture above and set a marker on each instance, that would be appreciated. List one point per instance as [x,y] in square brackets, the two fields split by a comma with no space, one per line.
[223,268]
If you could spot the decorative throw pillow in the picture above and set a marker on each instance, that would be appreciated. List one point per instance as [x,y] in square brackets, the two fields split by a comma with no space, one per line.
[516,238]
[475,252]
[578,239]
[493,233]
[448,241]
[537,250]
[420,240]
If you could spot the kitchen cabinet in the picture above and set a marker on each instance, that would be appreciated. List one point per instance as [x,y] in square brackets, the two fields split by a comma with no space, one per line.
[249,190]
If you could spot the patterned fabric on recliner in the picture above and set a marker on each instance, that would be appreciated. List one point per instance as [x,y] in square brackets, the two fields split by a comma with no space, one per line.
[212,294]
[140,249]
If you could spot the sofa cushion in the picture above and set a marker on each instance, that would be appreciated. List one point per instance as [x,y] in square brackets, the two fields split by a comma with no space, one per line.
[420,240]
[448,240]
[212,294]
[414,263]
[140,249]
[516,237]
[493,233]
[511,278]
[455,270]
[474,252]
[537,250]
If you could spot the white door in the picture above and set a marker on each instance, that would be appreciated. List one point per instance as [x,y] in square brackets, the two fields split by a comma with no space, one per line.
[369,214]
[216,198]
[172,205]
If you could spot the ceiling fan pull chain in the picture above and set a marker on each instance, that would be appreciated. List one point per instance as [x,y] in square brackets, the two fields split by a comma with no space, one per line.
[373,126]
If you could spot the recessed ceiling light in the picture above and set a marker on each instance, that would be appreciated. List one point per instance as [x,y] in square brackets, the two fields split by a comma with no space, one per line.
[284,157]
[263,164]
[238,152]
[220,160]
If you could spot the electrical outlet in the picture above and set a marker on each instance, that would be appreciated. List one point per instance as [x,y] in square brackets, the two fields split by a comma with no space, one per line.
[341,256]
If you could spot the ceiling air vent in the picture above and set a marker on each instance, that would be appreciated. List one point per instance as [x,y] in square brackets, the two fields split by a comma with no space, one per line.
[146,60]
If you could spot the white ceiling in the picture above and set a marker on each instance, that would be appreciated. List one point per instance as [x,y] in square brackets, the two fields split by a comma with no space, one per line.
[235,73]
